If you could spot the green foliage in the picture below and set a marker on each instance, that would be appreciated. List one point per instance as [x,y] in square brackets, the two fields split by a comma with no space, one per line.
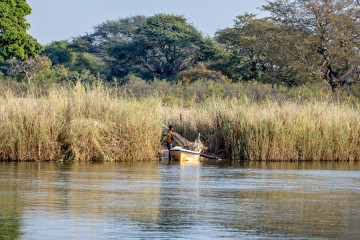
[30,68]
[14,41]
[158,46]
[174,45]
[123,29]
[92,63]
[114,42]
[256,51]
[85,43]
[57,73]
[215,92]
[247,43]
[59,53]
[171,100]
[302,43]
[63,53]
[329,46]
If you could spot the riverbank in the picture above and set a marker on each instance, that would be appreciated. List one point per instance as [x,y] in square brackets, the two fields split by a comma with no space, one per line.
[96,124]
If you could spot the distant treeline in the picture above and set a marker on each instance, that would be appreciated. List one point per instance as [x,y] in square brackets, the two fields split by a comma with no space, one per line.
[303,41]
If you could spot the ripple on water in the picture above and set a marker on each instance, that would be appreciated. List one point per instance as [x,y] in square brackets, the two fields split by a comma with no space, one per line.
[150,200]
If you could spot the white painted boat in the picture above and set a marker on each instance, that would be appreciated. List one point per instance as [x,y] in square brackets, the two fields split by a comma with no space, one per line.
[184,155]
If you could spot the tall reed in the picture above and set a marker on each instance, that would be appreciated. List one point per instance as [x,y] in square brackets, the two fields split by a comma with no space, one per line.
[273,131]
[93,123]
[79,124]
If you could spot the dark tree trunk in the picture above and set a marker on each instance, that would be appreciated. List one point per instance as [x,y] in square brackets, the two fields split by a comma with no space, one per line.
[253,69]
[329,76]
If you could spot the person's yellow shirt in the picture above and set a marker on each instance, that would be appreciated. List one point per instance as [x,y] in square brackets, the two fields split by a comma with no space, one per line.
[169,136]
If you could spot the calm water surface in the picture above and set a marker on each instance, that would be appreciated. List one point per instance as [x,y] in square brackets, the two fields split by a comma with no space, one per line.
[171,201]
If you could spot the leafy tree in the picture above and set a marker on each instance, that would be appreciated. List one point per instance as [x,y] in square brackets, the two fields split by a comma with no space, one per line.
[151,47]
[105,37]
[172,45]
[75,59]
[59,53]
[14,41]
[162,46]
[256,51]
[86,43]
[248,43]
[30,68]
[95,65]
[123,29]
[330,47]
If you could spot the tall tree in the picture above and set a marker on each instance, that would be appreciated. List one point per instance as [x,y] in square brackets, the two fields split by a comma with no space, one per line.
[59,53]
[247,42]
[113,41]
[331,47]
[256,51]
[14,41]
[162,46]
[75,57]
[123,29]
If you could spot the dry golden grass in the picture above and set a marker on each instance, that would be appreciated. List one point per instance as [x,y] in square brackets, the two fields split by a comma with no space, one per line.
[79,124]
[85,124]
[272,131]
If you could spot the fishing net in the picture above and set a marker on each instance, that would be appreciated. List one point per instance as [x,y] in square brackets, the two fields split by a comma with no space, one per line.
[196,145]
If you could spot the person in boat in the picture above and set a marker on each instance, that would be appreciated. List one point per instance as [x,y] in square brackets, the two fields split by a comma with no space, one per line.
[170,137]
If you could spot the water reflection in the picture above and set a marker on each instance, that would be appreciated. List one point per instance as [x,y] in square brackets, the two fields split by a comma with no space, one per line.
[180,196]
[171,200]
[10,225]
[10,207]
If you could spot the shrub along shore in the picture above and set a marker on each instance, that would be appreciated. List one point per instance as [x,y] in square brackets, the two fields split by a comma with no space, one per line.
[97,124]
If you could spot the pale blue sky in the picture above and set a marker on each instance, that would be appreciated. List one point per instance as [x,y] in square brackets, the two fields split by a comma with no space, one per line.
[58,20]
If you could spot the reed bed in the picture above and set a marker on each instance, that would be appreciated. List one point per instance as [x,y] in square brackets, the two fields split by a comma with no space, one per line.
[79,124]
[272,131]
[86,124]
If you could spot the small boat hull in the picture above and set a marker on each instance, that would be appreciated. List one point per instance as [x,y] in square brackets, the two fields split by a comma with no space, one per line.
[184,155]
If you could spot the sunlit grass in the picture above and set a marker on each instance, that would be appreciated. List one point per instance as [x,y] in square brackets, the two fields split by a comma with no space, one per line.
[274,131]
[79,124]
[85,124]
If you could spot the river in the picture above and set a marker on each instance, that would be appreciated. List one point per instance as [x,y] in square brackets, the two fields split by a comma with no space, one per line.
[254,200]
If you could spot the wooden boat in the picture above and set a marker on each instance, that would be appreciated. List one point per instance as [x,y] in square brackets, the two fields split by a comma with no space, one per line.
[184,155]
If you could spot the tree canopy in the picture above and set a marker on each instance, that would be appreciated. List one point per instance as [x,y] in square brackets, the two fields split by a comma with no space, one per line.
[161,46]
[303,41]
[14,41]
[329,46]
